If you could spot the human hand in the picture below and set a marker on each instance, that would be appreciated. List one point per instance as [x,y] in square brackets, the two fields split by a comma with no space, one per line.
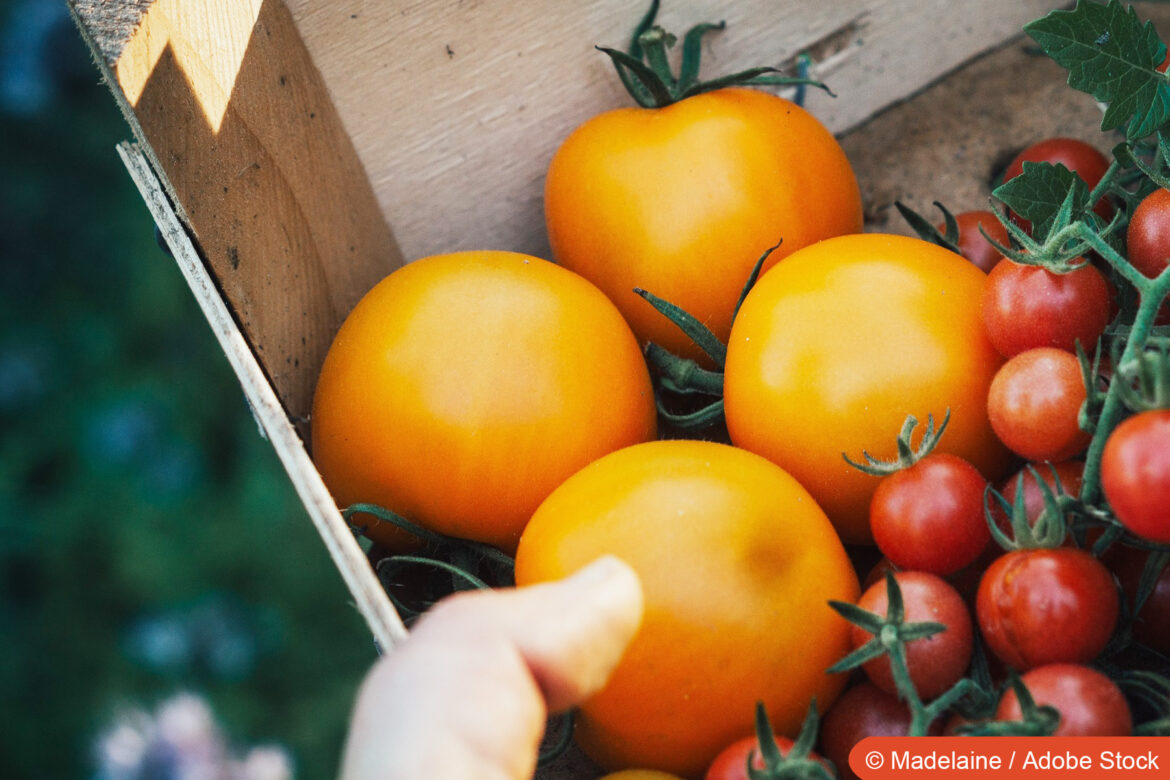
[467,695]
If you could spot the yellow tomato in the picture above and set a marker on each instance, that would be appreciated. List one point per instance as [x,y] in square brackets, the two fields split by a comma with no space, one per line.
[838,344]
[683,200]
[463,388]
[737,563]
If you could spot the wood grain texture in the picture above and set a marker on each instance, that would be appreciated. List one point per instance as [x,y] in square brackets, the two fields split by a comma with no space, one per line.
[240,126]
[456,106]
[950,142]
[343,548]
[110,25]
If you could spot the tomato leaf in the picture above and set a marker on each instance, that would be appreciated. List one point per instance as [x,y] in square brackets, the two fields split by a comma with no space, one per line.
[1039,195]
[1113,56]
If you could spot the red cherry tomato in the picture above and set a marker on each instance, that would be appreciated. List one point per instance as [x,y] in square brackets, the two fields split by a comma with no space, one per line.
[862,711]
[1148,236]
[1026,306]
[1079,157]
[929,517]
[1033,404]
[1090,704]
[972,244]
[1135,474]
[1148,239]
[731,764]
[935,662]
[1039,607]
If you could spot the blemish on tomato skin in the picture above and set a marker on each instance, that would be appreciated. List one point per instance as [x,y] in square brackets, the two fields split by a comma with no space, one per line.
[1004,595]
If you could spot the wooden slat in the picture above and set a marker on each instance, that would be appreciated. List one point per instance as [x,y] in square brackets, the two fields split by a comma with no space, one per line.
[343,548]
[456,107]
[948,143]
[239,125]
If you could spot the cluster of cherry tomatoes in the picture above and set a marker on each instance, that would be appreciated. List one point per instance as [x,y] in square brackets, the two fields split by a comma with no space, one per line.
[499,398]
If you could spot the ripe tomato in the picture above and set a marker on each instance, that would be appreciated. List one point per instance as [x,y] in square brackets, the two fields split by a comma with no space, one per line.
[929,517]
[1090,704]
[683,200]
[1026,306]
[1079,157]
[731,763]
[1034,402]
[972,244]
[453,393]
[935,662]
[1147,238]
[737,563]
[1043,606]
[862,711]
[837,345]
[1135,474]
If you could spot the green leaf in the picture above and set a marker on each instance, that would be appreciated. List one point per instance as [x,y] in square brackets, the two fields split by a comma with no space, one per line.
[1113,56]
[1039,194]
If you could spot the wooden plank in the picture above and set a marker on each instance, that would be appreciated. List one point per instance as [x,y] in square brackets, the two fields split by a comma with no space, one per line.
[949,142]
[456,107]
[238,123]
[339,540]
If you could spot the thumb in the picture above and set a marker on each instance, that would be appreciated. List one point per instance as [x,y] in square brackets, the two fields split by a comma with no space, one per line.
[571,633]
[467,694]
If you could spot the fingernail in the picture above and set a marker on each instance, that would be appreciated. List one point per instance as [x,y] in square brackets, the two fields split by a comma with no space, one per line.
[603,569]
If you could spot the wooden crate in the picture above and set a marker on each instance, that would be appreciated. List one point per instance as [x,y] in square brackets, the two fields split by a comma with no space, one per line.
[294,152]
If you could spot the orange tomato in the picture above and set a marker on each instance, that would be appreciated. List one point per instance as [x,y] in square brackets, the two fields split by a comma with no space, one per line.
[837,345]
[683,200]
[737,563]
[463,388]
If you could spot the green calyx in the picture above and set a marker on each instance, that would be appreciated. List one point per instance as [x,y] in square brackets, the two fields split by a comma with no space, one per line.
[948,239]
[646,73]
[1035,720]
[908,455]
[798,764]
[891,634]
[1058,204]
[681,376]
[1050,529]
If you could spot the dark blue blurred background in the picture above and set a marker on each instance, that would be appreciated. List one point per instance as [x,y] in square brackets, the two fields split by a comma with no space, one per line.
[149,541]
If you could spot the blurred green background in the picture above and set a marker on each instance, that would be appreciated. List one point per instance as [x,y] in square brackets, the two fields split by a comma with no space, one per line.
[149,541]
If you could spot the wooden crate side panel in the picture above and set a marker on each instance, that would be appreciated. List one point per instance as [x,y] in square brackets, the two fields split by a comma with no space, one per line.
[456,107]
[339,540]
[241,128]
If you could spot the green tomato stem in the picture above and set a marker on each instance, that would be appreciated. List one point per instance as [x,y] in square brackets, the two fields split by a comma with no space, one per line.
[1151,293]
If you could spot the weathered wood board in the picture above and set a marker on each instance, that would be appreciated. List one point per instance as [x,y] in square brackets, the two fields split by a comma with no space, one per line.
[305,143]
